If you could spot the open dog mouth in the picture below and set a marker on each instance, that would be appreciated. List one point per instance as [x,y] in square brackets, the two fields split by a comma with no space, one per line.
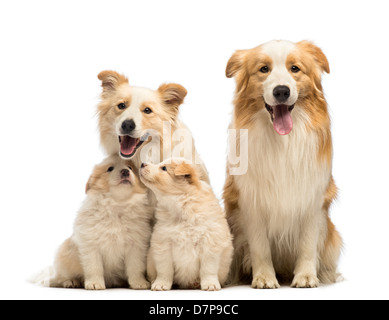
[129,145]
[281,116]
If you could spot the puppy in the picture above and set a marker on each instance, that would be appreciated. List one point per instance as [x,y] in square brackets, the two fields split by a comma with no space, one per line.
[279,209]
[111,234]
[191,244]
[143,123]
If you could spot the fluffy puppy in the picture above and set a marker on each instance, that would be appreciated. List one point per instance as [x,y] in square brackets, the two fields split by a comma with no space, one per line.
[111,233]
[191,244]
[279,209]
[142,123]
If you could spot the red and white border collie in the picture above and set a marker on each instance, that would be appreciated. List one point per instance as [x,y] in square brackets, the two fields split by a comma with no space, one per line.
[279,209]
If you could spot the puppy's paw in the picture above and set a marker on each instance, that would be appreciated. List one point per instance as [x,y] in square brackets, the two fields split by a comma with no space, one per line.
[95,285]
[71,284]
[161,285]
[305,281]
[265,281]
[141,284]
[210,285]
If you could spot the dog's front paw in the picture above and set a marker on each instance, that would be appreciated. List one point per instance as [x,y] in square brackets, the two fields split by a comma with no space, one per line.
[71,284]
[305,281]
[161,285]
[142,284]
[210,285]
[95,285]
[265,282]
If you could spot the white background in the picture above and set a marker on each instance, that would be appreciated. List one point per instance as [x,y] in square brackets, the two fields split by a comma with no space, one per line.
[51,53]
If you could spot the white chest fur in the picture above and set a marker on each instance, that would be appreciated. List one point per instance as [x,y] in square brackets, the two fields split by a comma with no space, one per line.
[284,179]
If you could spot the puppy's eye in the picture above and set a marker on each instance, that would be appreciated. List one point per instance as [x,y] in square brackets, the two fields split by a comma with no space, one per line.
[130,168]
[264,69]
[110,169]
[164,168]
[295,69]
[121,106]
[147,111]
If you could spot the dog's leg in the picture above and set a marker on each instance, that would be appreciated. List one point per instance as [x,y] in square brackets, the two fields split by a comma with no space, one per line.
[306,265]
[163,260]
[135,262]
[209,269]
[264,276]
[151,270]
[92,264]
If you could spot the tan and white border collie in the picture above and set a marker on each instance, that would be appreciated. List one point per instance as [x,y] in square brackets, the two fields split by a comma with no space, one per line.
[279,209]
[142,124]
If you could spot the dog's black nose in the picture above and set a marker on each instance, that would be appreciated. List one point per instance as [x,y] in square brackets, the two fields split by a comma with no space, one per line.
[143,165]
[281,93]
[125,173]
[128,126]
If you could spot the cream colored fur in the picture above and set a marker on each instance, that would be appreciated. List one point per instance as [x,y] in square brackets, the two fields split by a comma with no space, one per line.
[191,244]
[111,235]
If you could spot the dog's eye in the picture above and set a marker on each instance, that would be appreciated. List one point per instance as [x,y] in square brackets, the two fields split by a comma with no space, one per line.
[295,69]
[147,111]
[121,106]
[264,69]
[110,169]
[130,168]
[164,168]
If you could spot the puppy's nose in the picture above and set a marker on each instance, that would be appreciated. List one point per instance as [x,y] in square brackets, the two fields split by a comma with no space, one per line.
[125,173]
[128,126]
[281,93]
[143,165]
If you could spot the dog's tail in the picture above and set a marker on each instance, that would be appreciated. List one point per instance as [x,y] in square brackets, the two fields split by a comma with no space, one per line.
[43,278]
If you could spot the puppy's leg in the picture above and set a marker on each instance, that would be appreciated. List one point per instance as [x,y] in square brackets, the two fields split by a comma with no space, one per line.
[135,262]
[209,269]
[67,267]
[225,264]
[92,263]
[264,275]
[151,270]
[163,259]
[306,265]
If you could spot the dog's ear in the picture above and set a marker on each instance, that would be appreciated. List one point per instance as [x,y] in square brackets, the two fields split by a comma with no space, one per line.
[90,183]
[111,80]
[235,63]
[187,172]
[172,94]
[95,183]
[317,54]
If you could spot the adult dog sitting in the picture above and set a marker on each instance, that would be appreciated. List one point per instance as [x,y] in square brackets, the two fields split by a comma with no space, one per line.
[279,209]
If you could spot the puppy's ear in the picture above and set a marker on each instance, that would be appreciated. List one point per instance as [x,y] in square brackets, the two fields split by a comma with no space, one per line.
[90,183]
[111,80]
[317,54]
[187,172]
[95,183]
[235,63]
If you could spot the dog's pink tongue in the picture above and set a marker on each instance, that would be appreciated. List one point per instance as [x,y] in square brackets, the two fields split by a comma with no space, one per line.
[127,145]
[283,122]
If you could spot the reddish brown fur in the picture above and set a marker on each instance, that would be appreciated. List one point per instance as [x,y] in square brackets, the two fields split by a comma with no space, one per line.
[188,172]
